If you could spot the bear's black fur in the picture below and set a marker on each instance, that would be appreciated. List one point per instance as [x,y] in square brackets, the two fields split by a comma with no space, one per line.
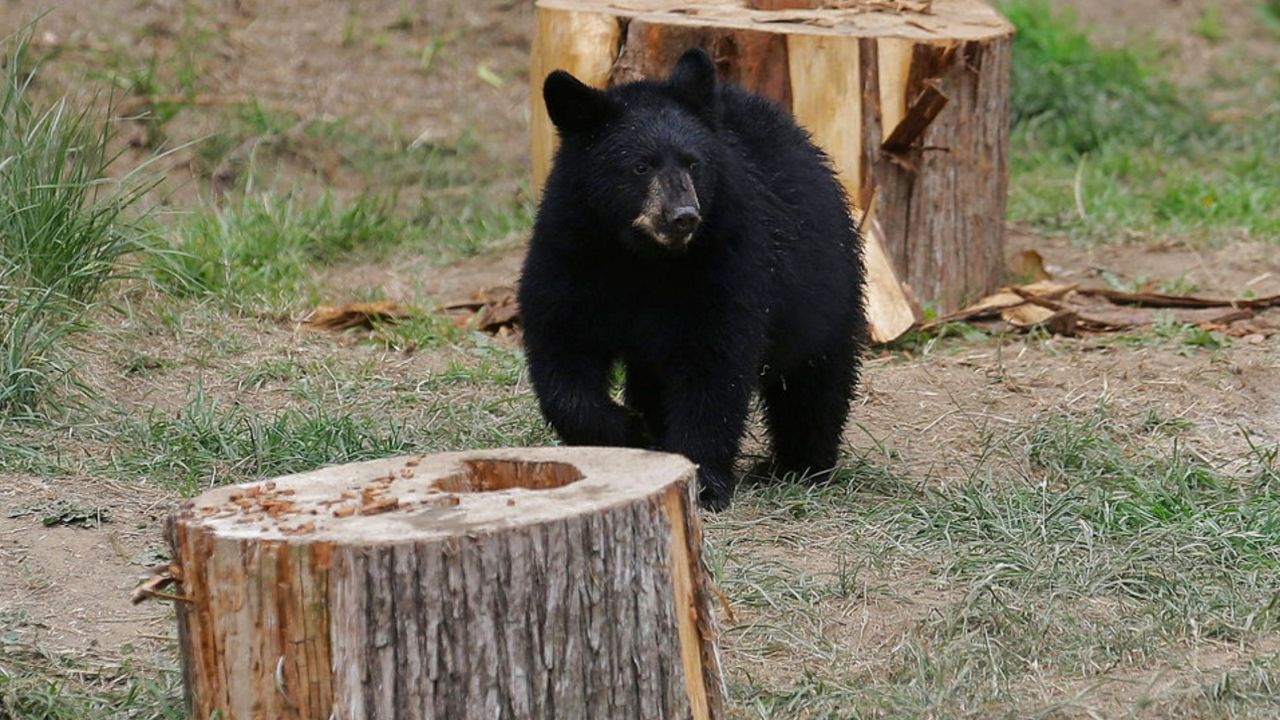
[693,232]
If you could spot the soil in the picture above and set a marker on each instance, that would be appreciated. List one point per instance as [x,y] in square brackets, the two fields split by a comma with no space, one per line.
[67,588]
[361,63]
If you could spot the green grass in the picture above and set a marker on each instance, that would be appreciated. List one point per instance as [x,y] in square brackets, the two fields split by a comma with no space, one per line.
[63,230]
[1104,145]
[334,413]
[264,252]
[1269,12]
[1167,331]
[206,443]
[39,685]
[1210,27]
[1044,583]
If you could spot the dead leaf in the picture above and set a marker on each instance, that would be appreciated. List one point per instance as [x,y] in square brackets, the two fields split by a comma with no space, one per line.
[1028,267]
[1062,308]
[1246,328]
[1007,298]
[494,310]
[1045,289]
[493,318]
[353,315]
[1026,315]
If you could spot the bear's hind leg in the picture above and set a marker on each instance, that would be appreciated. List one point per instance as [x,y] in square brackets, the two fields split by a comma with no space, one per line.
[806,410]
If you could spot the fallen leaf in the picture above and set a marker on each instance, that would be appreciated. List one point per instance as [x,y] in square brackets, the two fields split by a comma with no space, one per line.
[992,305]
[353,315]
[1063,308]
[1028,267]
[62,512]
[494,310]
[1248,327]
[1026,315]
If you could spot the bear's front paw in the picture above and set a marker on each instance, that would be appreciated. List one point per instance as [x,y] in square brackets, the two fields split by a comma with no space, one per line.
[714,490]
[622,427]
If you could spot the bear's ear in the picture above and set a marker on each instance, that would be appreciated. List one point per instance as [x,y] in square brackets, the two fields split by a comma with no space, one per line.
[694,78]
[572,105]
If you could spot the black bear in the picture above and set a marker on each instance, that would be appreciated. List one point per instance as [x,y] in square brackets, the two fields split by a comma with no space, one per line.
[694,233]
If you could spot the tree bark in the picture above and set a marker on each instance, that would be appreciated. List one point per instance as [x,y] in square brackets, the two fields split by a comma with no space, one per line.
[547,583]
[908,97]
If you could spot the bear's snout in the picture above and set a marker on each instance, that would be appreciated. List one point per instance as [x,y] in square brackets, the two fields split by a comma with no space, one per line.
[684,220]
[671,212]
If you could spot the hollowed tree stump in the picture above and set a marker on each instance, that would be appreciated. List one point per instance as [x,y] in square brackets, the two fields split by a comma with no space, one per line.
[909,97]
[548,583]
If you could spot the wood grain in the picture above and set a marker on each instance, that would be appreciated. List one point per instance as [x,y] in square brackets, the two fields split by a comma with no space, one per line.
[570,585]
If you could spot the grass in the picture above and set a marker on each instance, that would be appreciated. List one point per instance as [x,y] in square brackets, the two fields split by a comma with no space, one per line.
[40,685]
[206,444]
[1269,13]
[330,413]
[1167,331]
[1211,27]
[264,252]
[1040,586]
[64,226]
[1105,146]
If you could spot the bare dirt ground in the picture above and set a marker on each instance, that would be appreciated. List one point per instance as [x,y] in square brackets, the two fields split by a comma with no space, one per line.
[72,583]
[67,587]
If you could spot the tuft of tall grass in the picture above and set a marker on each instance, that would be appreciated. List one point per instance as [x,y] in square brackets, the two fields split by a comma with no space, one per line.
[1069,95]
[206,443]
[264,250]
[64,226]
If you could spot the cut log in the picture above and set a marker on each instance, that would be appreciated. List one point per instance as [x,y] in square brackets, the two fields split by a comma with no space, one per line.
[908,97]
[541,583]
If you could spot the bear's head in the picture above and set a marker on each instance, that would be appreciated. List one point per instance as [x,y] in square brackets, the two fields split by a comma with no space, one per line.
[644,154]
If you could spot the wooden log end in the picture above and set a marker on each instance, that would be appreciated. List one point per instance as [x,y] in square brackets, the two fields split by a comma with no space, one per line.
[450,585]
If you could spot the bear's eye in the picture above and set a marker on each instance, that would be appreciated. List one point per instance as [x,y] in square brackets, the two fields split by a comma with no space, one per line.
[693,165]
[641,168]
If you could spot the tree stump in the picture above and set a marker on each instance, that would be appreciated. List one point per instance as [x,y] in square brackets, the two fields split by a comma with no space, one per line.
[542,583]
[909,98]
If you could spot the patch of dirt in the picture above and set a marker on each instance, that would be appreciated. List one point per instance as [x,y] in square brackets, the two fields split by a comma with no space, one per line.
[67,587]
[946,412]
[861,631]
[362,63]
[1229,271]
[413,279]
[1157,692]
